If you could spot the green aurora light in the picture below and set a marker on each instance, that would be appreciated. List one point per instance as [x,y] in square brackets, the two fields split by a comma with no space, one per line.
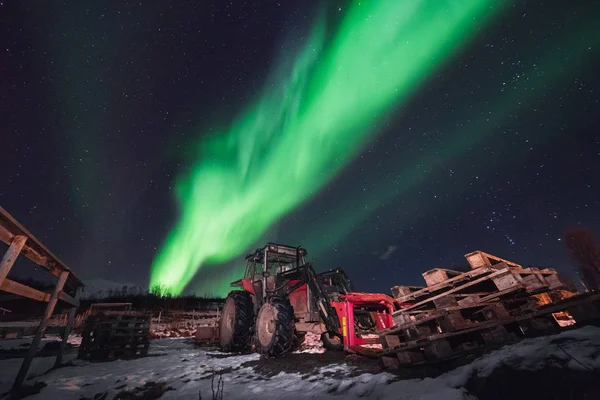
[300,134]
[544,75]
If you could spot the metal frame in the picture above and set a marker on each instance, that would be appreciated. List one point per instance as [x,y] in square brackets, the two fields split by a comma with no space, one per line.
[380,306]
[22,242]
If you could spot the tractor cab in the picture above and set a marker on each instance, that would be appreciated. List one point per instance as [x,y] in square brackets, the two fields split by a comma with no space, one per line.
[265,265]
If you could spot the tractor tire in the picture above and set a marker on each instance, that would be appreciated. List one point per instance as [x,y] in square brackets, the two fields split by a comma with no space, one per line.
[237,319]
[275,328]
[299,340]
[332,341]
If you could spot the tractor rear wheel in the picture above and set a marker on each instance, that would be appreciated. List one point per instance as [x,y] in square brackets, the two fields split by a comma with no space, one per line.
[236,323]
[275,328]
[332,341]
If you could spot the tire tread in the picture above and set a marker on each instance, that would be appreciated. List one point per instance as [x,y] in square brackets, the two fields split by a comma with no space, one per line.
[244,321]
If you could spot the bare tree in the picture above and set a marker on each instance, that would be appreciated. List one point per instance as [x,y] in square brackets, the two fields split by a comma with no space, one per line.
[160,290]
[581,244]
[569,283]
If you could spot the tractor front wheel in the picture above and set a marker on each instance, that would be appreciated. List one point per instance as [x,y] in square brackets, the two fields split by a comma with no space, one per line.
[275,328]
[237,318]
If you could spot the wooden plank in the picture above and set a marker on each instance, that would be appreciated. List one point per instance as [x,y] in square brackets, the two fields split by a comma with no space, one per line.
[469,301]
[454,321]
[545,310]
[413,324]
[400,291]
[445,302]
[431,315]
[388,341]
[534,283]
[464,276]
[417,313]
[544,272]
[41,329]
[508,280]
[5,235]
[68,299]
[562,305]
[19,289]
[34,256]
[456,289]
[65,338]
[34,249]
[447,309]
[504,292]
[11,255]
[422,341]
[410,357]
[438,275]
[548,271]
[438,350]
[67,331]
[390,362]
[478,259]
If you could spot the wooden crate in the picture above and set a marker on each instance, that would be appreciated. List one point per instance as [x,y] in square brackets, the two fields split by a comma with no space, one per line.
[493,303]
[403,346]
[401,291]
[438,275]
[447,288]
[439,347]
[413,296]
[477,284]
[478,259]
[109,337]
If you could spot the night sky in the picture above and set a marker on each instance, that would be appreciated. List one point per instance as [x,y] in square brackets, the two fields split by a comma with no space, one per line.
[102,105]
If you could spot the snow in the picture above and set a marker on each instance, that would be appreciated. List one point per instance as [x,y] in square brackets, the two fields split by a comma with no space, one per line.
[179,328]
[312,344]
[23,343]
[14,344]
[188,371]
[582,345]
[165,332]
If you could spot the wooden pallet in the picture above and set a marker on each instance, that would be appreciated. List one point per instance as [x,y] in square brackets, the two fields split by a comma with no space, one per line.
[436,347]
[502,277]
[492,303]
[108,337]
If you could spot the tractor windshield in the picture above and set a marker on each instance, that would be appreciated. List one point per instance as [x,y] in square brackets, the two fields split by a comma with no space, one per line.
[276,267]
[279,259]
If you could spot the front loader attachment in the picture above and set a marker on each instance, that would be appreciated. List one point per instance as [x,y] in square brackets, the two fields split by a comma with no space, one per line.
[207,335]
[207,330]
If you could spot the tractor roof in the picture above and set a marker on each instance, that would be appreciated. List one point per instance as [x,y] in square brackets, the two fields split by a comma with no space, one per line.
[281,249]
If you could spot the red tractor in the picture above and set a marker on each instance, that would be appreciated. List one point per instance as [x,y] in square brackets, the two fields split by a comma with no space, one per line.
[282,297]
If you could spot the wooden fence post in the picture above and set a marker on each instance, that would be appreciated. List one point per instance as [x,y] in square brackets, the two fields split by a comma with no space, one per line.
[40,331]
[11,255]
[66,332]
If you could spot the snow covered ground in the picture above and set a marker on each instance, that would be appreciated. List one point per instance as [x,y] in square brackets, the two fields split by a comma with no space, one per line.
[23,343]
[188,371]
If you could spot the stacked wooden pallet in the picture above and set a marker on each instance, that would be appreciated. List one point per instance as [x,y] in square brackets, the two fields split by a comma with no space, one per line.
[114,336]
[493,303]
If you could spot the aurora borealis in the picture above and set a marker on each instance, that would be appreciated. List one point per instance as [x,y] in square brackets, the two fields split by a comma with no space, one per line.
[543,76]
[300,133]
[159,142]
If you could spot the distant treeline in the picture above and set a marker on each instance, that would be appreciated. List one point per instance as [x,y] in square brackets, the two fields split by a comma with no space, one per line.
[140,299]
[34,283]
[153,299]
